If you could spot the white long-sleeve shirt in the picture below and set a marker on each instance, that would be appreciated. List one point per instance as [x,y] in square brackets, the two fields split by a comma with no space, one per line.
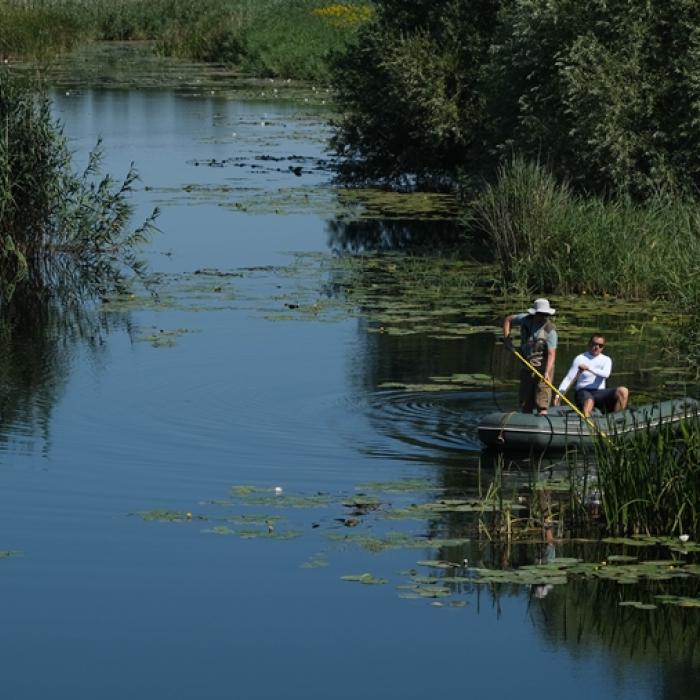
[599,368]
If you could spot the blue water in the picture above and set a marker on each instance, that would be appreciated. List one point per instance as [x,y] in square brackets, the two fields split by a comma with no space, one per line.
[103,604]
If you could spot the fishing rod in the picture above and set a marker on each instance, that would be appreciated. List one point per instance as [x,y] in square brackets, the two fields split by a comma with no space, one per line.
[538,374]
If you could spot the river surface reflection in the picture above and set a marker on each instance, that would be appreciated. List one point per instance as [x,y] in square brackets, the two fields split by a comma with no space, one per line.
[102,421]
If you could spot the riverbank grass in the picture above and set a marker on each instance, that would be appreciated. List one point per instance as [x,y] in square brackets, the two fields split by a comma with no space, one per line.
[266,38]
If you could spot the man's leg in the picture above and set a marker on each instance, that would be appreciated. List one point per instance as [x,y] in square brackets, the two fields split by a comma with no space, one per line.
[622,395]
[585,401]
[543,397]
[527,391]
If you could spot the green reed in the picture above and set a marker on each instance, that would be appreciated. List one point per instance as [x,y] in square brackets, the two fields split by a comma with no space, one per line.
[58,227]
[650,483]
[547,238]
[39,29]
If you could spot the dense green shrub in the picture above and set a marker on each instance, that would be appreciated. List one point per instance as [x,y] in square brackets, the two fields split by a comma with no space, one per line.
[410,91]
[57,225]
[607,93]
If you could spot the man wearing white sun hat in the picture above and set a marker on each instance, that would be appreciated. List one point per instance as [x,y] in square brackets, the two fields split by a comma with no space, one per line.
[538,345]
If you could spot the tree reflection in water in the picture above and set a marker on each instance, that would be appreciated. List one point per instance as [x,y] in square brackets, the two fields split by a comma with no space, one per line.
[40,335]
[586,615]
[365,235]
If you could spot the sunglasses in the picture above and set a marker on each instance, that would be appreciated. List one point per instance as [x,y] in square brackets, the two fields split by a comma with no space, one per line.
[598,345]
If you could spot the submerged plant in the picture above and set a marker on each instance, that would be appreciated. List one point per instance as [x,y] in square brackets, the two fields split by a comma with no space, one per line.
[58,228]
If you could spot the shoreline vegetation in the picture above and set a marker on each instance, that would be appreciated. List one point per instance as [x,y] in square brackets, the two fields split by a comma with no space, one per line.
[63,234]
[264,38]
[569,129]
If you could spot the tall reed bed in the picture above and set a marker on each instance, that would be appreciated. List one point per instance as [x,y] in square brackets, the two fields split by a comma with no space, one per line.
[650,484]
[58,227]
[547,238]
[286,38]
[39,29]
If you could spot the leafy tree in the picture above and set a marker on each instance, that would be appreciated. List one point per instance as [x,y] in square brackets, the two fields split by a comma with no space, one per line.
[607,92]
[410,90]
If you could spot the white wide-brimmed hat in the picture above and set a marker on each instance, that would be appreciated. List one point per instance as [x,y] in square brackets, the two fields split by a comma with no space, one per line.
[542,306]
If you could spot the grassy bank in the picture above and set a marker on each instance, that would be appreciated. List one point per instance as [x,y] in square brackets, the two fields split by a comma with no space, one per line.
[285,38]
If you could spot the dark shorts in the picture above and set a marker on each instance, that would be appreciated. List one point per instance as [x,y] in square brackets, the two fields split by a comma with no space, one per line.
[603,399]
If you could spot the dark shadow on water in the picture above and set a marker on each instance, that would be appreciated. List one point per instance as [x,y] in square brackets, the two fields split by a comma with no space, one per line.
[41,335]
[394,235]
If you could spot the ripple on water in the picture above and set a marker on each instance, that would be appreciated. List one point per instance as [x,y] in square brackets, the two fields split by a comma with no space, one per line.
[420,424]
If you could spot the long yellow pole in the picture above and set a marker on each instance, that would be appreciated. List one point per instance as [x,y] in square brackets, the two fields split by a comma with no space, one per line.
[537,373]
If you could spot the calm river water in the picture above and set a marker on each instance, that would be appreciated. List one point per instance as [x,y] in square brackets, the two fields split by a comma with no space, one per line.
[141,567]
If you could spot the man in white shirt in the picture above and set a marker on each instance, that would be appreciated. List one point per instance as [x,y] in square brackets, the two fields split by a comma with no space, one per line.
[590,369]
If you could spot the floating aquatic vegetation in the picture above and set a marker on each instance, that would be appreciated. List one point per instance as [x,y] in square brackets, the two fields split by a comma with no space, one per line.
[637,605]
[411,512]
[361,203]
[269,534]
[437,564]
[396,540]
[253,519]
[401,486]
[169,516]
[163,338]
[275,496]
[429,591]
[365,578]
[632,541]
[220,530]
[6,553]
[362,504]
[679,601]
[317,562]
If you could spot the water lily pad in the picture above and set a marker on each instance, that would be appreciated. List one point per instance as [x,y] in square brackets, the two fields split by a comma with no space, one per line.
[437,564]
[401,486]
[365,578]
[679,601]
[317,562]
[168,516]
[637,605]
[220,530]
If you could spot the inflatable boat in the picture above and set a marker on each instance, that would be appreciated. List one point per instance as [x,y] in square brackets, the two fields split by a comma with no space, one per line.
[563,428]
